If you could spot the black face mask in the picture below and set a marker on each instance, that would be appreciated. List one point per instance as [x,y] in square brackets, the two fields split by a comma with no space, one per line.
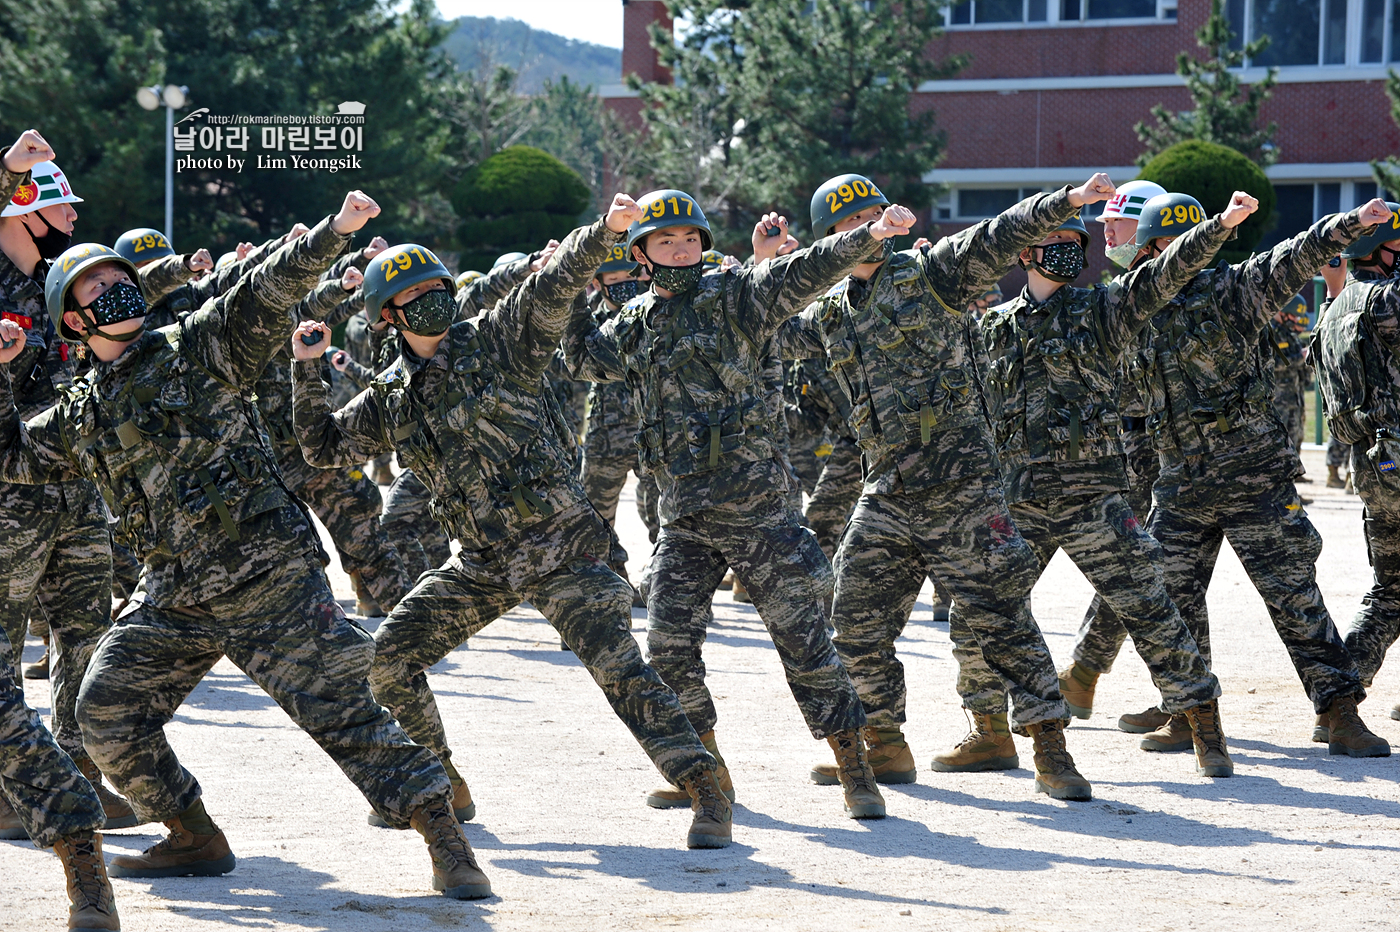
[428,315]
[1061,262]
[121,302]
[678,279]
[1393,256]
[52,244]
[619,293]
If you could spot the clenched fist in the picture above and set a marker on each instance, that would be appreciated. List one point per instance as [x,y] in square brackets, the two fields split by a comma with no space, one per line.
[1241,206]
[1374,211]
[11,339]
[622,213]
[352,279]
[305,331]
[29,150]
[376,246]
[895,221]
[199,261]
[359,208]
[1098,188]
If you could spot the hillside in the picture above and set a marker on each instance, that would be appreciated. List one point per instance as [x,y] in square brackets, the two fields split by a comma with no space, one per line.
[536,55]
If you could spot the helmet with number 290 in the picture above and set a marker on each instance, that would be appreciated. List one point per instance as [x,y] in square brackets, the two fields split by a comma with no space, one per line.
[1166,216]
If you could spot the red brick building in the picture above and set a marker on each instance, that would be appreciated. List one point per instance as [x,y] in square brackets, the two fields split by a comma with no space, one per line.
[1054,87]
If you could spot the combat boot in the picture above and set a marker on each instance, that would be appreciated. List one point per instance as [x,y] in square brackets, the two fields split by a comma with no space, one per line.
[1055,774]
[365,604]
[667,796]
[889,756]
[1208,739]
[462,806]
[1395,711]
[1175,735]
[728,581]
[940,613]
[713,825]
[182,853]
[1140,723]
[987,746]
[455,871]
[1334,481]
[1348,734]
[11,828]
[1077,686]
[740,592]
[39,669]
[117,810]
[91,905]
[1322,732]
[862,799]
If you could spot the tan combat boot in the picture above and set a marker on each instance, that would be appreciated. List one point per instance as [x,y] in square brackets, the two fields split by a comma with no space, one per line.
[117,810]
[91,905]
[182,853]
[1348,734]
[739,592]
[1334,481]
[1395,711]
[365,604]
[39,669]
[455,871]
[381,472]
[1140,723]
[1208,739]
[462,805]
[713,825]
[667,796]
[1322,731]
[889,756]
[11,828]
[1175,735]
[1077,686]
[1055,774]
[861,797]
[988,746]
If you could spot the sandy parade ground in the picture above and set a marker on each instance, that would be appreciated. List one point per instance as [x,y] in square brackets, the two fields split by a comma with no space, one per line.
[1295,840]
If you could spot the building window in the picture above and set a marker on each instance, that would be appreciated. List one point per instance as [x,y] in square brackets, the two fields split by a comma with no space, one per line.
[1317,32]
[1056,12]
[980,203]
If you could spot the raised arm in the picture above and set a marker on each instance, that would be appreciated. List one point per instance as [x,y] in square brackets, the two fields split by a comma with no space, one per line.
[351,435]
[485,291]
[593,351]
[33,453]
[163,276]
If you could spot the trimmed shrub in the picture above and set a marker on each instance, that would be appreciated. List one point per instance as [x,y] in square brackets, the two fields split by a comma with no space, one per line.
[515,201]
[1211,173]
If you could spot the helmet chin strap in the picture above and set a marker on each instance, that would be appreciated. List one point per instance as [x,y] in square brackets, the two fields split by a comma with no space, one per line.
[91,329]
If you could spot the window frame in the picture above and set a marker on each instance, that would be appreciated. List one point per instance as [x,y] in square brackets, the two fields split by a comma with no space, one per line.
[1054,20]
[1354,36]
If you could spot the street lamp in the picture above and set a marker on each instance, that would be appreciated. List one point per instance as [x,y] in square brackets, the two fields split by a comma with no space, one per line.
[174,97]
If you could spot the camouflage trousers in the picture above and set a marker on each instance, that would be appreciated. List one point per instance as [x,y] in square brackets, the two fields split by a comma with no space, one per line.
[126,572]
[1124,564]
[838,487]
[288,634]
[587,603]
[603,478]
[1377,625]
[788,578]
[1291,411]
[410,526]
[963,534]
[58,566]
[1101,634]
[348,504]
[1338,453]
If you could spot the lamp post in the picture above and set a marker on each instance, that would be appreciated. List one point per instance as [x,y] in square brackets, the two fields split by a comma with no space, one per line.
[173,97]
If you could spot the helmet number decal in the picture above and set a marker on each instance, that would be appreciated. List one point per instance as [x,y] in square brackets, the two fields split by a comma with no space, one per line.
[149,241]
[849,192]
[657,208]
[404,261]
[1181,213]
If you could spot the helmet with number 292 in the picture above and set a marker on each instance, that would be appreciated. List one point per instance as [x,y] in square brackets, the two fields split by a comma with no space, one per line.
[143,244]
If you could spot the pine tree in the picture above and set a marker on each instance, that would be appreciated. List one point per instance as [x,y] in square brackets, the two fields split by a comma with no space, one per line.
[1226,112]
[1387,171]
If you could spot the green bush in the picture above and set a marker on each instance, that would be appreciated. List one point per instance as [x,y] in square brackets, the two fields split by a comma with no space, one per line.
[517,200]
[1211,173]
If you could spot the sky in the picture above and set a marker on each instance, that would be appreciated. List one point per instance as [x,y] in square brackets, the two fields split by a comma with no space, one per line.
[598,21]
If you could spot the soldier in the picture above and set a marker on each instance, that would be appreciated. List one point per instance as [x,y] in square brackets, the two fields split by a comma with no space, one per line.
[231,560]
[1055,353]
[468,409]
[55,549]
[695,351]
[1355,352]
[44,796]
[899,342]
[1286,355]
[1227,464]
[609,447]
[824,413]
[162,268]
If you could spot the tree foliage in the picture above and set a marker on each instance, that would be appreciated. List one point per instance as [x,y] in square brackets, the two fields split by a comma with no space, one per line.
[1225,111]
[1211,173]
[515,201]
[1387,171]
[770,99]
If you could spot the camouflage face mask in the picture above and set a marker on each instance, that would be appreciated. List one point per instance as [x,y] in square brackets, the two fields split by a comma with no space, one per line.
[620,293]
[678,279]
[428,315]
[1122,256]
[122,301]
[1061,262]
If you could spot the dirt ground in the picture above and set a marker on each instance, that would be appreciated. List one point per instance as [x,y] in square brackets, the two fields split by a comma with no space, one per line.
[1295,840]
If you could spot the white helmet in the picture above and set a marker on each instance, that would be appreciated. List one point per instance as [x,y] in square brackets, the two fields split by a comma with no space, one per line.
[1127,203]
[48,185]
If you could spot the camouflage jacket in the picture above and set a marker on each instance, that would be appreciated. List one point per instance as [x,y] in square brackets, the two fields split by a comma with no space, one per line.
[699,370]
[612,421]
[1357,349]
[163,276]
[476,422]
[814,392]
[41,370]
[903,350]
[1052,385]
[169,434]
[1283,349]
[1209,388]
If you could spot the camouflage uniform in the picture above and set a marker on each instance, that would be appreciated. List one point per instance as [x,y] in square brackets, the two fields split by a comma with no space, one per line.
[823,416]
[700,368]
[1227,463]
[609,445]
[902,350]
[1283,349]
[50,796]
[178,294]
[55,549]
[1052,388]
[1373,428]
[478,424]
[231,561]
[346,500]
